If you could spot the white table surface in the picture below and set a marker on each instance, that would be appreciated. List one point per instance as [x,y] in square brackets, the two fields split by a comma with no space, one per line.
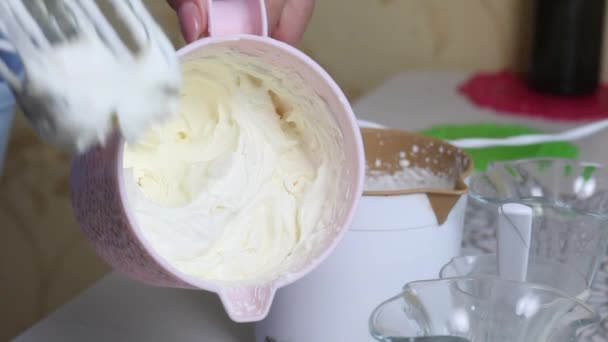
[117,309]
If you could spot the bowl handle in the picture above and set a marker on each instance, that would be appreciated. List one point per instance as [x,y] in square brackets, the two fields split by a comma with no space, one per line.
[230,17]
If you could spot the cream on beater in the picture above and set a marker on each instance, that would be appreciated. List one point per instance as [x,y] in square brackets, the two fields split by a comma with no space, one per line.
[243,181]
[81,77]
[86,86]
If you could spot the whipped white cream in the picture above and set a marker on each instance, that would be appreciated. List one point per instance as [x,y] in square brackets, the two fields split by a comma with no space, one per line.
[242,183]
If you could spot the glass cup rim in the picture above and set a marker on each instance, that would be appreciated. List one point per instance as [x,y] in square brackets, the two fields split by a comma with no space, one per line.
[476,257]
[494,201]
[495,279]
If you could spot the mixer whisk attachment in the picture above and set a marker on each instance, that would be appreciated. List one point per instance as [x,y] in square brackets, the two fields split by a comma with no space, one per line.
[89,67]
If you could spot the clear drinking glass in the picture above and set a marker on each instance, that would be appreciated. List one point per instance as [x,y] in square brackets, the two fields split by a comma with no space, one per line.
[481,309]
[570,207]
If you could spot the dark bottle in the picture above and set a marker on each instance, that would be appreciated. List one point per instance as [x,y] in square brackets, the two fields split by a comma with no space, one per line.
[567,37]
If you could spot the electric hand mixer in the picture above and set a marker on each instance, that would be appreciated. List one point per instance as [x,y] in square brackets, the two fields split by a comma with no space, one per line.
[82,78]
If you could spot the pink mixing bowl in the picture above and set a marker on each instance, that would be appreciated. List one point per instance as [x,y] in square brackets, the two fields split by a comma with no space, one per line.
[98,188]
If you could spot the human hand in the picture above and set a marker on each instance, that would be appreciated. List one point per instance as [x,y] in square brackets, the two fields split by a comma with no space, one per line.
[287,19]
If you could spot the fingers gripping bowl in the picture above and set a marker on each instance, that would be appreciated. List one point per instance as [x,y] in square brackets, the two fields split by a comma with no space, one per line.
[244,191]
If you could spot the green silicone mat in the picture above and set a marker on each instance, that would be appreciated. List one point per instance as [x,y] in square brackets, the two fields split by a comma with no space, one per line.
[484,156]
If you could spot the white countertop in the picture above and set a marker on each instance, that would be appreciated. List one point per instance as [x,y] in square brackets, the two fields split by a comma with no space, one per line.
[117,309]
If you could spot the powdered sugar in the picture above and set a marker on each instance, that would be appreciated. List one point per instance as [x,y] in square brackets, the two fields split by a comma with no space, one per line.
[406,178]
[415,166]
[404,163]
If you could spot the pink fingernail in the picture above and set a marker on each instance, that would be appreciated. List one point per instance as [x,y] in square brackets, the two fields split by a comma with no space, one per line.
[190,21]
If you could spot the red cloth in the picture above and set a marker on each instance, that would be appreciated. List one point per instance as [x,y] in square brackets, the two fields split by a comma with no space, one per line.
[507,93]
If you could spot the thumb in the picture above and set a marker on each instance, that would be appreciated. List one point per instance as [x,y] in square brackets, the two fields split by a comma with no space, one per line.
[192,16]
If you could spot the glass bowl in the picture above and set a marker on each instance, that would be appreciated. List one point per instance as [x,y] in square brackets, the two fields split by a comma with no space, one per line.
[569,201]
[481,309]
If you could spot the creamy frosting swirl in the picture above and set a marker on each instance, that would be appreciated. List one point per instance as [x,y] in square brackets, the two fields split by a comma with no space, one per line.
[243,179]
